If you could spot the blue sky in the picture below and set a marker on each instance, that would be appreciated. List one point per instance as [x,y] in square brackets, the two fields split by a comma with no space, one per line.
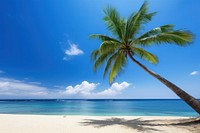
[45,50]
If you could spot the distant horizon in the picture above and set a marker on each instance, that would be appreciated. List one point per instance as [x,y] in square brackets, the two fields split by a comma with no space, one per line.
[92,99]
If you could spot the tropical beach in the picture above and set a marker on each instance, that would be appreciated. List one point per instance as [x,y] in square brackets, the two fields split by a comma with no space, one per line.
[99,66]
[101,116]
[97,124]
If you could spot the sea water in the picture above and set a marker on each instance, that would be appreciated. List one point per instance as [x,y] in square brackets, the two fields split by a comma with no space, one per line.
[98,107]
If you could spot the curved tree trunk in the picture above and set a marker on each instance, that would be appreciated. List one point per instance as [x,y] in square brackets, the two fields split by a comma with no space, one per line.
[191,101]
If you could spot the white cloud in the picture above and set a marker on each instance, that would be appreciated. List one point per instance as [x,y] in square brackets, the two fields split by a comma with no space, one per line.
[36,83]
[115,89]
[194,73]
[12,87]
[73,50]
[85,88]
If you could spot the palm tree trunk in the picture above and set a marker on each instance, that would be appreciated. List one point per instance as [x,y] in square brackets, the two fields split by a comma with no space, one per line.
[191,101]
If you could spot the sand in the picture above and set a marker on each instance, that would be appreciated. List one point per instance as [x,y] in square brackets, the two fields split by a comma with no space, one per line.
[97,124]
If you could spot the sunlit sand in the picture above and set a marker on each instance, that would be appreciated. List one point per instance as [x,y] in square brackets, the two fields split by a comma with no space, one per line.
[97,124]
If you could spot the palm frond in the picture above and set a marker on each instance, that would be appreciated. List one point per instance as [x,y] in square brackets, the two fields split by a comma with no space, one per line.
[109,63]
[103,38]
[94,54]
[101,60]
[178,37]
[136,20]
[107,46]
[157,30]
[114,23]
[118,65]
[106,49]
[143,54]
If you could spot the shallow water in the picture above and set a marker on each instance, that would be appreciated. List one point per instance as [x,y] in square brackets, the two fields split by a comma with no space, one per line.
[103,107]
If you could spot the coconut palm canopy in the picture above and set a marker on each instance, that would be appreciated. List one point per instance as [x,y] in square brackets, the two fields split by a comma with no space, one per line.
[128,43]
[128,40]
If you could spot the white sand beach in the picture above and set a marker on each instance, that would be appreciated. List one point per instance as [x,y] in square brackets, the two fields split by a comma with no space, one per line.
[97,124]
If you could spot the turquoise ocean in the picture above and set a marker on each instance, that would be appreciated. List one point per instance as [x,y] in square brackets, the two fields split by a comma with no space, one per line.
[98,107]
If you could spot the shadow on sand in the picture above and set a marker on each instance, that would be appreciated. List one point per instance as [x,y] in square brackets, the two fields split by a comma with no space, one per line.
[136,124]
[142,125]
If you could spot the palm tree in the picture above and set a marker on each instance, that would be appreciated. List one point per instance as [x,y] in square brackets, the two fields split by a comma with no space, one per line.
[114,52]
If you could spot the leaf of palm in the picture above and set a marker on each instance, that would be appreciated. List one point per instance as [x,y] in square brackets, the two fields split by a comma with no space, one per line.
[94,54]
[109,63]
[106,50]
[101,60]
[118,65]
[181,38]
[135,21]
[114,23]
[145,55]
[103,38]
[107,46]
[157,30]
